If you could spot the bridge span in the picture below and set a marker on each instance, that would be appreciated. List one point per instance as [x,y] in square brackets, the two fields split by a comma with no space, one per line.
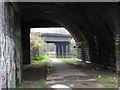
[62,42]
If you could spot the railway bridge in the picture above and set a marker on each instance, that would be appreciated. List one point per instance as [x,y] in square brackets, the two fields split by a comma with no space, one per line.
[62,42]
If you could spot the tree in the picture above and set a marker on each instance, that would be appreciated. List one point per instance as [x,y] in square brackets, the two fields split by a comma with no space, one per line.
[36,42]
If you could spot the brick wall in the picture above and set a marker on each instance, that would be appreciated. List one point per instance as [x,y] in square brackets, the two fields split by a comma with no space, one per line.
[85,51]
[101,52]
[106,53]
[10,46]
[118,57]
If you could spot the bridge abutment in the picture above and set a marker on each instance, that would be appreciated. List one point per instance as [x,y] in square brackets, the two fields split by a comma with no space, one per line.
[62,50]
[26,44]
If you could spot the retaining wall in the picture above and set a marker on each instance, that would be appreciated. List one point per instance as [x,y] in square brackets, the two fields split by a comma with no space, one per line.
[10,46]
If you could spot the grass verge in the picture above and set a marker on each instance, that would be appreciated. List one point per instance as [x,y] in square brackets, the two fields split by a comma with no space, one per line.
[40,62]
[34,73]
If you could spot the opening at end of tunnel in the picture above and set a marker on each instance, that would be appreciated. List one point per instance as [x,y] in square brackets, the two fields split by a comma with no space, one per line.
[54,42]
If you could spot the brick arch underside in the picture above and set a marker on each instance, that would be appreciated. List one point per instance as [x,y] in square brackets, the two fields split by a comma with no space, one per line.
[91,24]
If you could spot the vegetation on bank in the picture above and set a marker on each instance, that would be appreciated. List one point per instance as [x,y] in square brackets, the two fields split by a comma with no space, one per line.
[38,61]
[35,70]
[42,58]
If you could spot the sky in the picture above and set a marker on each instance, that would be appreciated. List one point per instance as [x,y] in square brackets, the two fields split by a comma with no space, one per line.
[60,30]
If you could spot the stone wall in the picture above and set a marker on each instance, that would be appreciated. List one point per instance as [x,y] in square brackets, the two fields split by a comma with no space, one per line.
[25,33]
[10,46]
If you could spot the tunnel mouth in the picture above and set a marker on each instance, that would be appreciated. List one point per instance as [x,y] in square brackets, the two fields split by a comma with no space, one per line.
[56,42]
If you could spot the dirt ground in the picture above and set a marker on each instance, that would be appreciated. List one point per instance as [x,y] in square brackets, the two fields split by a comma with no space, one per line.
[108,78]
[35,77]
[96,77]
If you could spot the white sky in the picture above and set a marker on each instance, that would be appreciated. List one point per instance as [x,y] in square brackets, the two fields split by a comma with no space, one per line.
[50,30]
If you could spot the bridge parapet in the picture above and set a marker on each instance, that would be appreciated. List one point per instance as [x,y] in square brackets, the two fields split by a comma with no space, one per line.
[52,38]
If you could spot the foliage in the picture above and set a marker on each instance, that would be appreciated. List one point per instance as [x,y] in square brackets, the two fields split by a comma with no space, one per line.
[42,58]
[37,44]
[40,62]
[36,41]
